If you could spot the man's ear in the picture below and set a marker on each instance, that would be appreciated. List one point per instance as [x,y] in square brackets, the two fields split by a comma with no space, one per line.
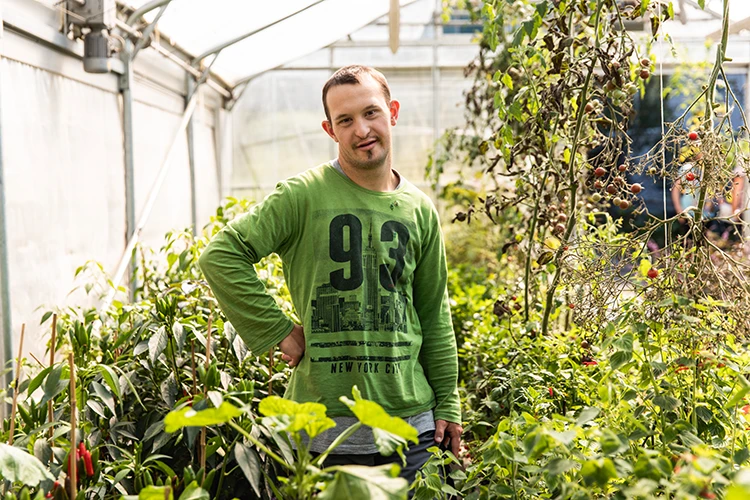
[328,127]
[395,107]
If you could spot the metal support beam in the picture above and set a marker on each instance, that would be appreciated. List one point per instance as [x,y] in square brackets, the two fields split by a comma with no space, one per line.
[146,213]
[126,91]
[146,35]
[7,324]
[227,43]
[145,9]
[191,86]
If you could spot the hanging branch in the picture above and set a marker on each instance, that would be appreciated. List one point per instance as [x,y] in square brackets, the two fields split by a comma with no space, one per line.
[72,462]
[50,410]
[15,387]
[572,179]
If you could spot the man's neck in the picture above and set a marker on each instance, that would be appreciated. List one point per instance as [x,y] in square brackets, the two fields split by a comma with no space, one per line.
[382,179]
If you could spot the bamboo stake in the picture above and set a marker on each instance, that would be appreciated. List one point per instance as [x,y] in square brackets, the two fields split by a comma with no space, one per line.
[202,453]
[36,359]
[15,387]
[50,410]
[72,462]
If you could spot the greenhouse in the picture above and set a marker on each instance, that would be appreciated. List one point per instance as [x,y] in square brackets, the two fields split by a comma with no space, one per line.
[375,249]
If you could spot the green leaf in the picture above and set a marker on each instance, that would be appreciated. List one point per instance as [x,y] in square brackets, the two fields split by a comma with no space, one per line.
[611,443]
[558,466]
[310,417]
[357,481]
[620,358]
[45,317]
[240,349]
[156,344]
[194,492]
[598,472]
[156,493]
[53,385]
[624,343]
[179,335]
[37,381]
[187,417]
[373,415]
[16,465]
[247,457]
[588,414]
[702,4]
[507,81]
[740,393]
[105,396]
[667,403]
[110,377]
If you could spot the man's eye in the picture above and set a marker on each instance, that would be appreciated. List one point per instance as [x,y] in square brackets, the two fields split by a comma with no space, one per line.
[345,120]
[370,113]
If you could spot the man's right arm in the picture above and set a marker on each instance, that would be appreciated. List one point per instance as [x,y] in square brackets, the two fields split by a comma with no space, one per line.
[228,265]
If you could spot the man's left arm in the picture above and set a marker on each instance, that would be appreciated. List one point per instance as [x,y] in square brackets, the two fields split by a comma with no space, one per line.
[438,356]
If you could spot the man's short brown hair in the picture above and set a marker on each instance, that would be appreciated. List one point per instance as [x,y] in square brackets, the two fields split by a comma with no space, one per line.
[350,75]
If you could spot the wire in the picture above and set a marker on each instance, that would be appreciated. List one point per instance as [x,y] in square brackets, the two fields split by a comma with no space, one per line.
[661,110]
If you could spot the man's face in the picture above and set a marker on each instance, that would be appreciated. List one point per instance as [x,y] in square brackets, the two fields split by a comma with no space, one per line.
[361,122]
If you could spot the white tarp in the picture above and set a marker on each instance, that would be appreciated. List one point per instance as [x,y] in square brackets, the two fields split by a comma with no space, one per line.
[197,26]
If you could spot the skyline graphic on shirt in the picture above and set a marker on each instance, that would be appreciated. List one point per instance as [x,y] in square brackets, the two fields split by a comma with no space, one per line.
[362,310]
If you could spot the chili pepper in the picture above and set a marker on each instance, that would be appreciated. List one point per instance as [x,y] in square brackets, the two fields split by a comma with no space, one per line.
[81,448]
[87,463]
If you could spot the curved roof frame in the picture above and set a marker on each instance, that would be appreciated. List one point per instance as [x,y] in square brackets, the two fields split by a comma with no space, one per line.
[223,45]
[218,48]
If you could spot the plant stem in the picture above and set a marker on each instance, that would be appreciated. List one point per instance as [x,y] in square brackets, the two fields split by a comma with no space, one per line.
[571,177]
[336,442]
[224,468]
[260,445]
[709,116]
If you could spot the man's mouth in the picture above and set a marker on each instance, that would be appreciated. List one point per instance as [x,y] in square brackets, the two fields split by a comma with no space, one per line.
[367,144]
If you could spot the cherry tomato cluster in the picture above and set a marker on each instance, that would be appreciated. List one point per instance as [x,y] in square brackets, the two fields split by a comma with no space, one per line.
[616,187]
[555,217]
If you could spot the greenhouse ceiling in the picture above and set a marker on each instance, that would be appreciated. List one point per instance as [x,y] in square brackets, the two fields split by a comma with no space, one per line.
[252,37]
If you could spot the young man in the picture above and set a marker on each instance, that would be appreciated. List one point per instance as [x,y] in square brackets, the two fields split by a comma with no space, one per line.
[365,264]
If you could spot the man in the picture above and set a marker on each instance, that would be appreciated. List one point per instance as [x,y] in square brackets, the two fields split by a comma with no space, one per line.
[365,264]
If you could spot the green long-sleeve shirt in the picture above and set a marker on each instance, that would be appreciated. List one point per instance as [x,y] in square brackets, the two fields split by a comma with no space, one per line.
[367,274]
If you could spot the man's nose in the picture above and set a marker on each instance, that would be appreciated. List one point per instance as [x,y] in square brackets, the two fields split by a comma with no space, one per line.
[361,128]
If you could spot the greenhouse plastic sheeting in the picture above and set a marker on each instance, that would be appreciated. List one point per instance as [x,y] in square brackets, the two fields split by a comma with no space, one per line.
[198,26]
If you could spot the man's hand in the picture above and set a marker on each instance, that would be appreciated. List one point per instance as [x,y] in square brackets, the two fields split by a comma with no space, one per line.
[450,434]
[293,346]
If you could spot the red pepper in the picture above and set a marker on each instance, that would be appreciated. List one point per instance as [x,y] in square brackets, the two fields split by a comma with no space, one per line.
[81,448]
[551,392]
[87,463]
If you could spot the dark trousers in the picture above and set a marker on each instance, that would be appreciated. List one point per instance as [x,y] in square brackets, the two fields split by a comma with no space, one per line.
[416,457]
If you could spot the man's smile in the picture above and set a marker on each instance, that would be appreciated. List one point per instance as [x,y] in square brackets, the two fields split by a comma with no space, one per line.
[367,145]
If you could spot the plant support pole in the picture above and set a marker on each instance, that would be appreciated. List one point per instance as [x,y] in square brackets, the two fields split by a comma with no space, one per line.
[155,189]
[50,409]
[7,324]
[72,461]
[15,387]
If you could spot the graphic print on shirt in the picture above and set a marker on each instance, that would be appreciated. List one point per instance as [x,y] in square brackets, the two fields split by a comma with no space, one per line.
[368,255]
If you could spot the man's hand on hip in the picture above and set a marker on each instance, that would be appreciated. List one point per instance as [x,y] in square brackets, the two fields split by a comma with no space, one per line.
[293,346]
[448,434]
